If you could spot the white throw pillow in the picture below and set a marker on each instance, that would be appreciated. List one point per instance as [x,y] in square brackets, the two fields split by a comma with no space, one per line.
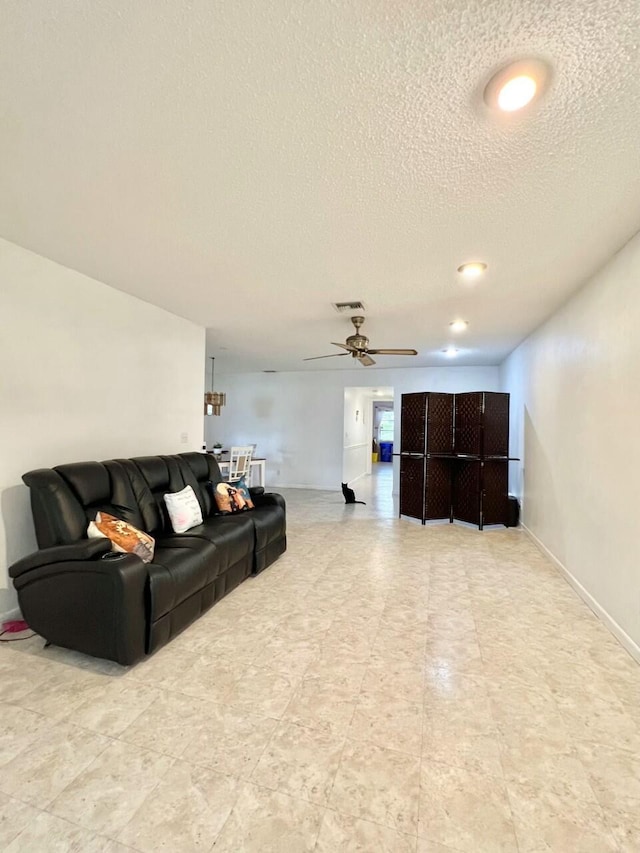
[184,509]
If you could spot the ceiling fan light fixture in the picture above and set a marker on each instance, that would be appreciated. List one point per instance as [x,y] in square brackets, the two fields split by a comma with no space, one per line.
[357,345]
[472,269]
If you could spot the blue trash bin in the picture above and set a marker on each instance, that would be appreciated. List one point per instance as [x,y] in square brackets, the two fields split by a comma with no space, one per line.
[386,451]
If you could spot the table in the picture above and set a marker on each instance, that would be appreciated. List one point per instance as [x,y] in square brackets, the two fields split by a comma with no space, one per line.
[257,470]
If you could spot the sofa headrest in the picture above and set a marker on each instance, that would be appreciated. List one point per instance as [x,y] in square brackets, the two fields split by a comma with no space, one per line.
[204,467]
[89,481]
[58,516]
[198,464]
[155,472]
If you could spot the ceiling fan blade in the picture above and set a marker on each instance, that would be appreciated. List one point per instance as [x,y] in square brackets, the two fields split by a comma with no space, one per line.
[393,351]
[344,346]
[365,360]
[333,355]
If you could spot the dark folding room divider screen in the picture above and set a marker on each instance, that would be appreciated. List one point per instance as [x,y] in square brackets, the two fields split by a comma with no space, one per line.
[454,453]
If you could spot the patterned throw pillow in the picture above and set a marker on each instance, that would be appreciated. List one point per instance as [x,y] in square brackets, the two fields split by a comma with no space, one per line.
[242,487]
[184,509]
[229,498]
[124,537]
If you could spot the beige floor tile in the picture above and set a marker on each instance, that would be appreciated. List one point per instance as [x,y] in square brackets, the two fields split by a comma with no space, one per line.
[165,668]
[286,655]
[18,729]
[14,818]
[443,690]
[345,834]
[110,709]
[65,689]
[210,678]
[230,742]
[263,691]
[343,674]
[307,624]
[38,773]
[377,784]
[185,812]
[49,834]
[614,775]
[465,810]
[546,762]
[397,673]
[106,795]
[322,704]
[426,846]
[346,649]
[300,761]
[20,674]
[391,641]
[625,828]
[388,721]
[479,753]
[596,720]
[546,821]
[169,723]
[264,821]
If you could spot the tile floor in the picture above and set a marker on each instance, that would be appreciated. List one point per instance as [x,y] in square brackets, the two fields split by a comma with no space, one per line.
[383,687]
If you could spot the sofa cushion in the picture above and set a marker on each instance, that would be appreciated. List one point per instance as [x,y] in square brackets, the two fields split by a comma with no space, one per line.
[178,572]
[270,525]
[233,536]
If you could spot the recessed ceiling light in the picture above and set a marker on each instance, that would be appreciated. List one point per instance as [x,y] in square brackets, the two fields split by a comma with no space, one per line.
[458,325]
[517,93]
[516,85]
[472,270]
[450,352]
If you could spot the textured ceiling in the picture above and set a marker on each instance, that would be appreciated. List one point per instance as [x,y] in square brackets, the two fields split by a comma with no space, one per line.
[245,164]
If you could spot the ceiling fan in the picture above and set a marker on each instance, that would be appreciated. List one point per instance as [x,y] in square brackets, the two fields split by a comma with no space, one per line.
[357,346]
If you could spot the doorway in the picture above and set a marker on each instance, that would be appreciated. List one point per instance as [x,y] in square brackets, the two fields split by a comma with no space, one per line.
[368,424]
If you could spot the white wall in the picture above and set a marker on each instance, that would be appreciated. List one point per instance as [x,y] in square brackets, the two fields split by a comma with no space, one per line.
[297,419]
[575,416]
[87,372]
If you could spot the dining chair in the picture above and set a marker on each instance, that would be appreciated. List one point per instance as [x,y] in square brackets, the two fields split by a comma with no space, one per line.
[240,462]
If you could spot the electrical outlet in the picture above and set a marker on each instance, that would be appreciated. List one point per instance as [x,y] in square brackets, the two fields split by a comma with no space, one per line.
[184,438]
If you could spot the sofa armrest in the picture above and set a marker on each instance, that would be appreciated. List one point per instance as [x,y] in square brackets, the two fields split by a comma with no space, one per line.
[255,491]
[97,607]
[269,499]
[84,549]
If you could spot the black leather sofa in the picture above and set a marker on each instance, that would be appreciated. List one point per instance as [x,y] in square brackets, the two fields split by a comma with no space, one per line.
[77,593]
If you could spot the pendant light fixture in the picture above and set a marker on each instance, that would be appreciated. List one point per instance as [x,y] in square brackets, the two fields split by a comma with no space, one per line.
[213,400]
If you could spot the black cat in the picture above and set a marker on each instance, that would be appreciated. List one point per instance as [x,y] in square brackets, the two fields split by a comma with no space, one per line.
[350,495]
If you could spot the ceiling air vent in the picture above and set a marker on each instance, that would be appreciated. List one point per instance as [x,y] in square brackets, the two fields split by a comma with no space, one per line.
[343,307]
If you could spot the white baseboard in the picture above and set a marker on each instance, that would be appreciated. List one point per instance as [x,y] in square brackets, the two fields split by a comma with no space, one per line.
[14,613]
[619,633]
[275,486]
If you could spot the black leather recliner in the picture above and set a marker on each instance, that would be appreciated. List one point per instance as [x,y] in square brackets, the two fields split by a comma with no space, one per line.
[118,607]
